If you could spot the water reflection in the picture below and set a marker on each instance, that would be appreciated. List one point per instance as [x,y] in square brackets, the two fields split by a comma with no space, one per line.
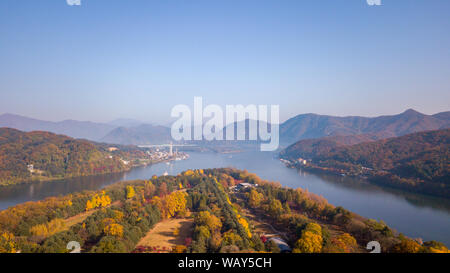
[364,186]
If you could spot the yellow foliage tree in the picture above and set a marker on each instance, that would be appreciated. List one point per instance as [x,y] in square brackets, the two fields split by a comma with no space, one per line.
[98,201]
[311,240]
[48,229]
[175,202]
[104,200]
[130,192]
[244,224]
[113,230]
[89,205]
[7,243]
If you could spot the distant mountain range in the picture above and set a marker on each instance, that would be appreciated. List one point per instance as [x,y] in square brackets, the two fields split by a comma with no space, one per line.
[76,129]
[125,122]
[312,126]
[347,130]
[138,135]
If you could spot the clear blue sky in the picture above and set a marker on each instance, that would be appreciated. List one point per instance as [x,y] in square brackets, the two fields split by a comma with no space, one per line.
[110,59]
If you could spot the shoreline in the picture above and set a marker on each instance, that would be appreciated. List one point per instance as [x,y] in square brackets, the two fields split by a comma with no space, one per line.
[50,179]
[378,180]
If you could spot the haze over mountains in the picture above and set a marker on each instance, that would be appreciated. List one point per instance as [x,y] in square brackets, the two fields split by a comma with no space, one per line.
[346,130]
[139,135]
[310,126]
[77,129]
[125,122]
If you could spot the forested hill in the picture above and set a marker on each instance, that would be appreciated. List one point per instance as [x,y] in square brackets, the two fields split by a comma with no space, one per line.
[220,214]
[52,156]
[416,158]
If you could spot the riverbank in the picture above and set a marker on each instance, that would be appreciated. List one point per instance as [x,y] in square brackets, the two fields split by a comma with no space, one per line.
[380,178]
[128,168]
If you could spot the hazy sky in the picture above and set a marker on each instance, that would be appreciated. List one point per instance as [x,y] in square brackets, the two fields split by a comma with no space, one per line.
[111,59]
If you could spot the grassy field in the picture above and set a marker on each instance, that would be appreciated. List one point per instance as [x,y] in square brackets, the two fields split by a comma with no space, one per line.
[162,235]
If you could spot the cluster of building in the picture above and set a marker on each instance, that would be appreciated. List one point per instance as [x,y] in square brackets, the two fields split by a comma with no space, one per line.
[154,155]
[299,160]
[302,161]
[241,186]
[163,155]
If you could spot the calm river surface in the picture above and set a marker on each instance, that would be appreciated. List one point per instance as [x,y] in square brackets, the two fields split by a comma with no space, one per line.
[412,214]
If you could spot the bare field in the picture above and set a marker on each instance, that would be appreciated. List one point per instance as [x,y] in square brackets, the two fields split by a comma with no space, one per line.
[162,235]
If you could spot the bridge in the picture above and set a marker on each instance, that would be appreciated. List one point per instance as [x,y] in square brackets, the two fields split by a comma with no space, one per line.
[165,145]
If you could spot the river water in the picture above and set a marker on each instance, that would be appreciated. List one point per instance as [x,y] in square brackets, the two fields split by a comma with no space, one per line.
[412,214]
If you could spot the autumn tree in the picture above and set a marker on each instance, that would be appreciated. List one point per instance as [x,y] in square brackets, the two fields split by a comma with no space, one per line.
[344,243]
[175,203]
[275,207]
[407,246]
[202,232]
[47,229]
[113,229]
[310,241]
[207,219]
[130,192]
[98,201]
[7,243]
[435,247]
[231,238]
[255,198]
[158,202]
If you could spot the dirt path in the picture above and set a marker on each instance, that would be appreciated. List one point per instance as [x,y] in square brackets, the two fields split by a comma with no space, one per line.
[82,216]
[261,227]
[162,235]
